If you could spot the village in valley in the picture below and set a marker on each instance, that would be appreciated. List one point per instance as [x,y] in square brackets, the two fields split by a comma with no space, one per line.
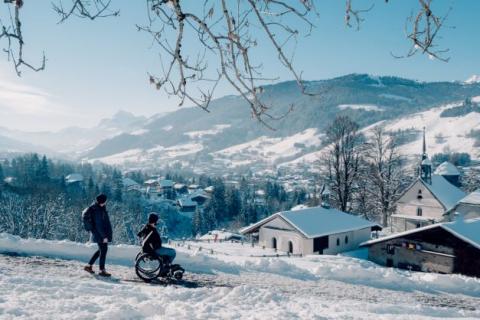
[435,226]
[240,159]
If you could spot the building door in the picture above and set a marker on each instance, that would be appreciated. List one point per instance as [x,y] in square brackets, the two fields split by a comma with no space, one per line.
[290,247]
[274,243]
[319,244]
[389,263]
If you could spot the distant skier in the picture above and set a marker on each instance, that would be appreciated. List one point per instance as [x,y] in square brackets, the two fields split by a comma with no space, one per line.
[152,242]
[101,230]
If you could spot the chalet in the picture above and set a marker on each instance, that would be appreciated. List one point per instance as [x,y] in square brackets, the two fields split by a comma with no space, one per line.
[452,247]
[317,230]
[466,208]
[166,185]
[180,188]
[193,188]
[151,183]
[186,206]
[426,200]
[449,172]
[74,178]
[209,189]
[200,197]
[130,185]
[221,235]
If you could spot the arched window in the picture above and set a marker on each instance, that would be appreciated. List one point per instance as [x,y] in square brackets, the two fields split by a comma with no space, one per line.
[290,246]
[419,212]
[346,239]
[419,194]
[274,243]
[338,242]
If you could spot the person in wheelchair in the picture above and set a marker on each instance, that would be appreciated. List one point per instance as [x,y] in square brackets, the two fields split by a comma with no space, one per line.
[152,242]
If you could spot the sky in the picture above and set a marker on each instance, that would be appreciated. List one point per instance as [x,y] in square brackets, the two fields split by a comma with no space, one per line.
[96,68]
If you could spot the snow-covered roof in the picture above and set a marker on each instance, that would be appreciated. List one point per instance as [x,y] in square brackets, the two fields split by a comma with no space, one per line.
[209,189]
[166,183]
[299,207]
[187,202]
[467,230]
[317,221]
[199,194]
[127,182]
[74,177]
[447,169]
[221,235]
[444,191]
[472,198]
[179,186]
[151,182]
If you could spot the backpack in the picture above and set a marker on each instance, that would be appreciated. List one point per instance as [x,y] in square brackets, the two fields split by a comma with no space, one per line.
[87,219]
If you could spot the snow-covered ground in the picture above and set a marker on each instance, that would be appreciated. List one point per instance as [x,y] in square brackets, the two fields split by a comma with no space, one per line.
[228,284]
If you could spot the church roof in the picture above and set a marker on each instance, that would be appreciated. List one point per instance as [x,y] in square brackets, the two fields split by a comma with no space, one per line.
[317,221]
[447,169]
[444,191]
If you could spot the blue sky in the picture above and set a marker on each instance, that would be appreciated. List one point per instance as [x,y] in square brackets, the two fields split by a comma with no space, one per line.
[96,68]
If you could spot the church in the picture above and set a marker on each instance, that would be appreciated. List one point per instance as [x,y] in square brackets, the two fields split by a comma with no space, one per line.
[427,199]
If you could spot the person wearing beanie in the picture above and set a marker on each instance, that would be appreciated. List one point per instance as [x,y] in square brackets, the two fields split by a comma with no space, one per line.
[101,234]
[152,242]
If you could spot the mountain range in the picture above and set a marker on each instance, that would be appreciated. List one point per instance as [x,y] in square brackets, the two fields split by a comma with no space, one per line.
[228,137]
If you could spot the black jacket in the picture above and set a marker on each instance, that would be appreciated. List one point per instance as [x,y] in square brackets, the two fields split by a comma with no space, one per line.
[151,239]
[102,228]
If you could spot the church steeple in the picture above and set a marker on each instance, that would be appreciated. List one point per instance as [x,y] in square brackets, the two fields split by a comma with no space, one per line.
[424,149]
[425,164]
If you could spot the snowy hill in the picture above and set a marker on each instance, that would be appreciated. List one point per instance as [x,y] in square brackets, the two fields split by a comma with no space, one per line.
[228,284]
[228,136]
[443,134]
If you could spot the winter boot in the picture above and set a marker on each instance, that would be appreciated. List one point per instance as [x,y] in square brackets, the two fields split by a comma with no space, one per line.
[104,273]
[89,269]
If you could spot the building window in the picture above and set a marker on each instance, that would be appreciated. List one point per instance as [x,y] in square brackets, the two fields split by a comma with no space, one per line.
[290,247]
[346,239]
[338,242]
[274,243]
[419,225]
[419,194]
[419,212]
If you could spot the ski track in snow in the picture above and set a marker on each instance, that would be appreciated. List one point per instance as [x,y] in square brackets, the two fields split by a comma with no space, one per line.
[41,288]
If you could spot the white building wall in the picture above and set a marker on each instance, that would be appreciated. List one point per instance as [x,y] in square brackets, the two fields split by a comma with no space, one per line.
[354,239]
[284,233]
[465,211]
[409,203]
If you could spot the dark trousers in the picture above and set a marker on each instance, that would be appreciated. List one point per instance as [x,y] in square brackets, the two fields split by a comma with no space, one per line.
[102,252]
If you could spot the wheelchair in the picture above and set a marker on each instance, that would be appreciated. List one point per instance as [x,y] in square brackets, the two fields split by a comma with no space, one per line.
[149,266]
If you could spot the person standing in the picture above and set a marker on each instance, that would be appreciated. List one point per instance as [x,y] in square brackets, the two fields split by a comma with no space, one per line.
[101,234]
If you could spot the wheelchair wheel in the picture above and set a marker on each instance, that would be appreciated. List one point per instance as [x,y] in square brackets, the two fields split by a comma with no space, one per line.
[148,267]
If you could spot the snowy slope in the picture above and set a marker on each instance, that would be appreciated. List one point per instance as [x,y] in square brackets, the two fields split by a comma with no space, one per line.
[442,134]
[269,150]
[227,285]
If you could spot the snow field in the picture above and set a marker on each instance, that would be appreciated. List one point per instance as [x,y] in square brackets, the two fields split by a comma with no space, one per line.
[242,287]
